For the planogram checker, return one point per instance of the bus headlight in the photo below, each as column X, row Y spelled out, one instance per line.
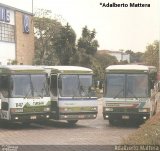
column 46, row 109
column 143, row 110
column 108, row 109
column 16, row 110
column 94, row 108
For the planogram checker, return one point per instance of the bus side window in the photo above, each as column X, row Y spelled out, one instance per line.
column 53, row 85
column 4, row 86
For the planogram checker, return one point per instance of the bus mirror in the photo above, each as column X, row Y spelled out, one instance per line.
column 152, row 84
column 100, row 85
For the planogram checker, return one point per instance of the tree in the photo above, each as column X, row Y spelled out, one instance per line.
column 86, row 48
column 135, row 57
column 46, row 29
column 64, row 44
column 88, row 42
column 151, row 55
column 101, row 62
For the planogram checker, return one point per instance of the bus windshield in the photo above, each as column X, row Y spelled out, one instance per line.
column 29, row 86
column 76, row 85
column 126, row 86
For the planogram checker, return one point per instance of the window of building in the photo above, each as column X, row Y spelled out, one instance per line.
column 7, row 32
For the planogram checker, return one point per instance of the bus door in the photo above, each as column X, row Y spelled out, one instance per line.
column 4, row 95
column 54, row 95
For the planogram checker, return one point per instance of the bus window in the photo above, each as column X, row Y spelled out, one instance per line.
column 53, row 85
column 137, row 85
column 40, row 86
column 4, row 86
column 115, row 86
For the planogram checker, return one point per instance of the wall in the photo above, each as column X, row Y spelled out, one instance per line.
column 7, row 49
column 24, row 41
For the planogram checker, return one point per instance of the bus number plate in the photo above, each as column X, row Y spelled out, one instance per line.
column 81, row 116
column 125, row 117
column 33, row 117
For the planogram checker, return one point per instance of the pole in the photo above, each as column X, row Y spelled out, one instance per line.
column 32, row 6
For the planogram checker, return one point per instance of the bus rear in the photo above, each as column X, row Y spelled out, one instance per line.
column 127, row 93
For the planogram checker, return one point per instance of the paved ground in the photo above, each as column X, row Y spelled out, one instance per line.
column 86, row 132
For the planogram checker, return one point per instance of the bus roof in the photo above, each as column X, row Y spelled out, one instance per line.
column 68, row 69
column 21, row 69
column 131, row 67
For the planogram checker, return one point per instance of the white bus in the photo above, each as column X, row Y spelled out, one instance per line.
column 129, row 93
column 24, row 94
column 72, row 93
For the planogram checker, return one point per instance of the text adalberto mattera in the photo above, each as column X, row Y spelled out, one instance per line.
column 124, row 5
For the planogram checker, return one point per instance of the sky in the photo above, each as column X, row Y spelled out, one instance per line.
column 117, row 28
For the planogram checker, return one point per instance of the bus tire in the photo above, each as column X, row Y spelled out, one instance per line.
column 26, row 123
column 111, row 122
column 72, row 122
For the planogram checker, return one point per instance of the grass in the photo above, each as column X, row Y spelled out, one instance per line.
column 147, row 134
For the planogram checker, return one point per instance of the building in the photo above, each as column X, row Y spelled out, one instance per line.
column 16, row 36
column 120, row 56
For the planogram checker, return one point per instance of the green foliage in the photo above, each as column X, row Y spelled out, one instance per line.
column 64, row 44
column 86, row 49
column 100, row 62
column 46, row 29
column 151, row 55
column 55, row 44
column 88, row 42
column 135, row 57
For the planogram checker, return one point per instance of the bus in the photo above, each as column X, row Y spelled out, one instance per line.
column 72, row 93
column 24, row 94
column 129, row 93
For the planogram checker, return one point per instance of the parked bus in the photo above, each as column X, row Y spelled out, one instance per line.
column 72, row 93
column 129, row 93
column 24, row 94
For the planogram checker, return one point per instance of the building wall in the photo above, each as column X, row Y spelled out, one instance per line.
column 7, row 52
column 24, row 41
column 120, row 56
column 7, row 48
column 16, row 44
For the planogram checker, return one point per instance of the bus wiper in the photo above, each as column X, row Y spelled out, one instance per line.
column 30, row 88
column 27, row 94
column 132, row 93
column 84, row 91
column 118, row 93
column 73, row 93
column 42, row 92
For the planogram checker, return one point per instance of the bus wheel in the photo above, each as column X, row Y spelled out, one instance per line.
column 26, row 123
column 111, row 122
column 72, row 122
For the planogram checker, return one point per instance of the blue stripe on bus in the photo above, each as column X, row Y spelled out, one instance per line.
column 77, row 99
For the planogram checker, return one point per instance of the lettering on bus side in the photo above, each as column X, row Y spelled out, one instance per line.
column 38, row 103
column 19, row 104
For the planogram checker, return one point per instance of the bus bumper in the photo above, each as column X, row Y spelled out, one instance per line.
column 30, row 117
column 126, row 116
column 77, row 116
